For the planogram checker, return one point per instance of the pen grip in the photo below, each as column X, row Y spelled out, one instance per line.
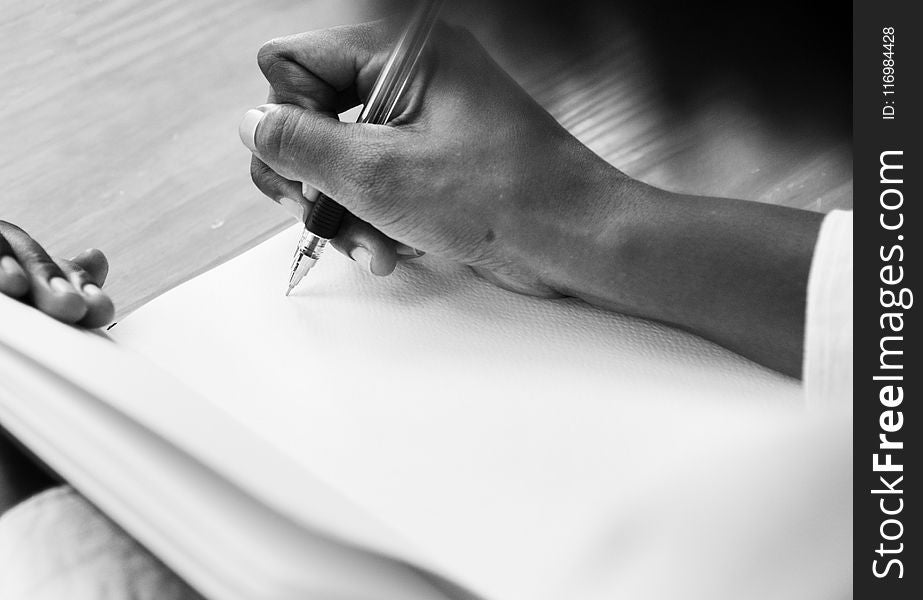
column 325, row 218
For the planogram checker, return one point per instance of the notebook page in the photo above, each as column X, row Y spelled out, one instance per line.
column 123, row 433
column 494, row 431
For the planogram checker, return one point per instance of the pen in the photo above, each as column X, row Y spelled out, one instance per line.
column 324, row 220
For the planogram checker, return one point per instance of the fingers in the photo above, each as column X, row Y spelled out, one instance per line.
column 66, row 290
column 371, row 249
column 51, row 292
column 99, row 308
column 291, row 83
column 13, row 280
column 95, row 263
column 285, row 192
column 304, row 145
column 297, row 137
column 339, row 65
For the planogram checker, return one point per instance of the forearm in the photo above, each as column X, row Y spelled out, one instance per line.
column 729, row 270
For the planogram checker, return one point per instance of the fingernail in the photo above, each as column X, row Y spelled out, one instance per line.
column 408, row 251
column 91, row 289
column 296, row 208
column 61, row 285
column 85, row 252
column 10, row 266
column 363, row 257
column 310, row 194
column 248, row 125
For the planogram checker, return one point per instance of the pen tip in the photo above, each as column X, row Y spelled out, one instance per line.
column 289, row 290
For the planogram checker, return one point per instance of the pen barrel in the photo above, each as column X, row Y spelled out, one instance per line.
column 395, row 76
column 324, row 221
column 325, row 218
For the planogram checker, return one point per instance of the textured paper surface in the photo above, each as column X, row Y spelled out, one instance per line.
column 496, row 432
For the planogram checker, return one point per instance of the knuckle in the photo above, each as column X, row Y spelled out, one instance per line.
column 291, row 128
column 269, row 54
column 285, row 137
column 271, row 132
column 70, row 267
column 73, row 271
column 41, row 267
column 288, row 138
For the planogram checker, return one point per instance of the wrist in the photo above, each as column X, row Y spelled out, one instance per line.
column 586, row 246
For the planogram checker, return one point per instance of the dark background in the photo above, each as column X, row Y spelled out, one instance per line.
column 786, row 57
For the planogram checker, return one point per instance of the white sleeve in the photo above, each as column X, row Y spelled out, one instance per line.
column 828, row 345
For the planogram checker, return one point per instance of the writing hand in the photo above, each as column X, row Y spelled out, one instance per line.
column 470, row 168
column 473, row 170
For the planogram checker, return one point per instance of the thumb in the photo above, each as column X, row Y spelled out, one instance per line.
column 308, row 146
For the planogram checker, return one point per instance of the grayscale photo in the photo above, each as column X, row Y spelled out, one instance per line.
column 429, row 300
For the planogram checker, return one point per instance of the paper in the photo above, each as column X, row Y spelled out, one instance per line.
column 188, row 481
column 495, row 432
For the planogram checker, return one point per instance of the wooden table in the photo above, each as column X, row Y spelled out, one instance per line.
column 119, row 128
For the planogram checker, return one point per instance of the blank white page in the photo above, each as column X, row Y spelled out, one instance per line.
column 124, row 432
column 495, row 432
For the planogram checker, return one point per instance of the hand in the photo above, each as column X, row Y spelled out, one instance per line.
column 68, row 290
column 470, row 168
column 473, row 170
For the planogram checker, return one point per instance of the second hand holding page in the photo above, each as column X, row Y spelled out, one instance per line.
column 494, row 431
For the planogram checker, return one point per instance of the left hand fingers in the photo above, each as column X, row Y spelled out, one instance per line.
column 87, row 272
column 50, row 291
column 68, row 290
column 95, row 263
column 13, row 279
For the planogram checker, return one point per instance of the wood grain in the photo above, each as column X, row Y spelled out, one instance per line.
column 119, row 126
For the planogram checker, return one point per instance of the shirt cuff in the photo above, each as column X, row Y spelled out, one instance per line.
column 828, row 347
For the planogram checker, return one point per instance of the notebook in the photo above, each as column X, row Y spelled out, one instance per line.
column 425, row 435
